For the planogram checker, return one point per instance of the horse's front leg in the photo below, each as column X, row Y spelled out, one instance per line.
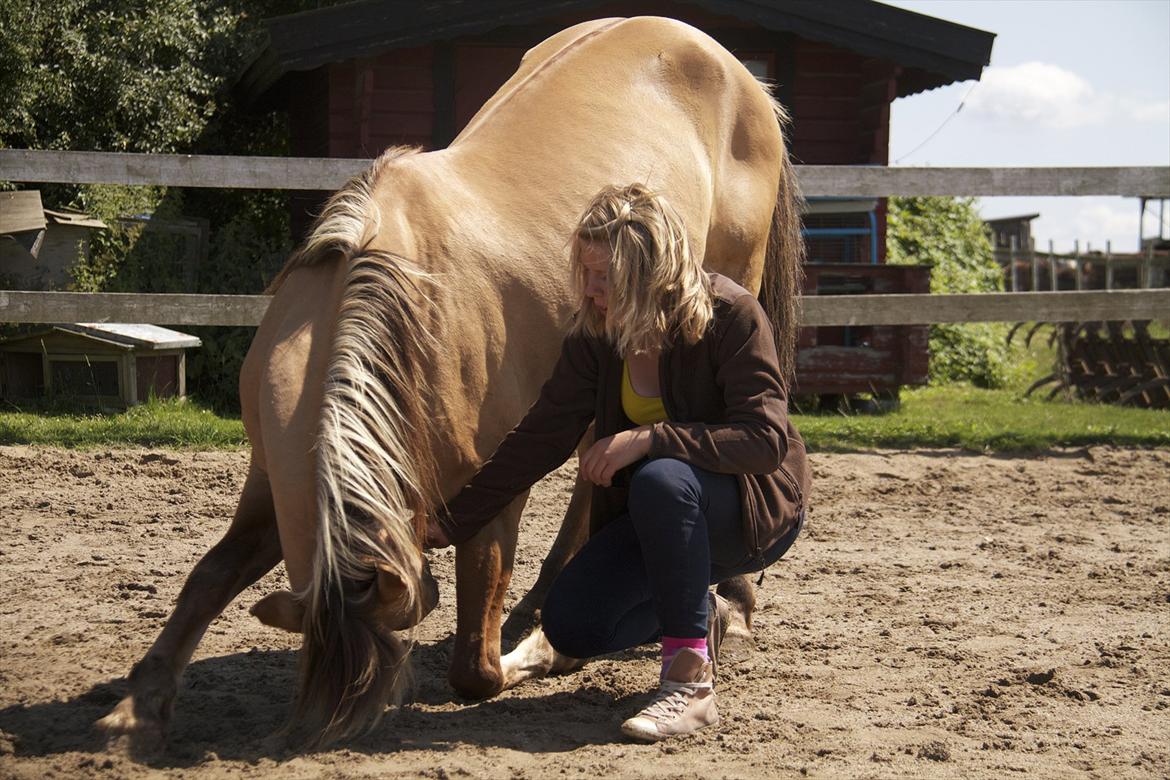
column 247, row 551
column 571, row 537
column 483, row 569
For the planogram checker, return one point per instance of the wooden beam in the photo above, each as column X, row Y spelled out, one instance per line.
column 312, row 173
column 828, row 310
column 178, row 170
column 443, row 75
column 881, row 181
column 152, row 308
column 898, row 309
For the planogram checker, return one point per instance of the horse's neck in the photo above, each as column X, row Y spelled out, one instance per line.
column 499, row 300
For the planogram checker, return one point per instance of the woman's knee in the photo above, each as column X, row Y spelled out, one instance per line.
column 568, row 627
column 662, row 483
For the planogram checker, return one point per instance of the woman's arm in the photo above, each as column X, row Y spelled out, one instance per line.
column 541, row 442
column 753, row 438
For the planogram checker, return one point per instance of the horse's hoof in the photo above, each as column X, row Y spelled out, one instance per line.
column 124, row 728
column 476, row 685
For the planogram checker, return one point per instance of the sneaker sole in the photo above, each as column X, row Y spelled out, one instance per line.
column 642, row 732
column 648, row 732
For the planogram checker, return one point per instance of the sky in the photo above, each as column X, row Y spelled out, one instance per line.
column 1071, row 83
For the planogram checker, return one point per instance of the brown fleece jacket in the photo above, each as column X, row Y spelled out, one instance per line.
column 727, row 410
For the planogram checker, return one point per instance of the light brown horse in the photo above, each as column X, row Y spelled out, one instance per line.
column 415, row 327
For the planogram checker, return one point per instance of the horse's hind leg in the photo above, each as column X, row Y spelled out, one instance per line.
column 249, row 549
column 741, row 595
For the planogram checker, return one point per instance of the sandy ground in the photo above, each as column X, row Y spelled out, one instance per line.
column 945, row 615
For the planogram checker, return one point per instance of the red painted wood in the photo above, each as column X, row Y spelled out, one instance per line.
column 862, row 359
column 399, row 86
column 479, row 72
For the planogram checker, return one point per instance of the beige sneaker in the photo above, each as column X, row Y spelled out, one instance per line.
column 685, row 701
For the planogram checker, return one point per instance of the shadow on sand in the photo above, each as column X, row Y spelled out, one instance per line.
column 233, row 707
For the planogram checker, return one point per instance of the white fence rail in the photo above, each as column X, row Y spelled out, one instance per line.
column 896, row 309
column 816, row 180
column 314, row 173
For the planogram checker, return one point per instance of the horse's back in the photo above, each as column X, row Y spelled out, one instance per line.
column 619, row 100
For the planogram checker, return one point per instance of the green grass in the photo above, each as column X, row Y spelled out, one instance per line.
column 947, row 416
column 1002, row 420
column 991, row 420
column 155, row 424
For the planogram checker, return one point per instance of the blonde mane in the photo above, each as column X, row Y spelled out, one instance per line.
column 348, row 221
column 375, row 470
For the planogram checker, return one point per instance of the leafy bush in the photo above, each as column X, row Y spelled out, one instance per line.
column 948, row 235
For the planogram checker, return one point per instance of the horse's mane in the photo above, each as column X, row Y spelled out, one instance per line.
column 375, row 469
column 348, row 222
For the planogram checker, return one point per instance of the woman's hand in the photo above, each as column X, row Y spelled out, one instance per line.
column 609, row 455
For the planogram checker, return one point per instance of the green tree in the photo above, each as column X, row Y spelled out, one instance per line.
column 111, row 76
column 154, row 77
column 948, row 235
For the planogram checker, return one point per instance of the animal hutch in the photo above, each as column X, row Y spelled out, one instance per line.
column 38, row 246
column 358, row 77
column 107, row 364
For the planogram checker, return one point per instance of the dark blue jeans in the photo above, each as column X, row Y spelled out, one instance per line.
column 646, row 574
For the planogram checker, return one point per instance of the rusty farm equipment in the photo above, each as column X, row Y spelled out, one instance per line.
column 1110, row 362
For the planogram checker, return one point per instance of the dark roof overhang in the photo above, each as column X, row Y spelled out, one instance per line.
column 932, row 52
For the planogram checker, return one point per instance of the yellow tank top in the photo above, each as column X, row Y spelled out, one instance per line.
column 642, row 410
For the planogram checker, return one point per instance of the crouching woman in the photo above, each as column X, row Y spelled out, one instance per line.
column 699, row 475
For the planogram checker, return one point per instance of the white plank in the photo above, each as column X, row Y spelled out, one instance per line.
column 306, row 173
column 178, row 170
column 152, row 308
column 907, row 309
column 876, row 181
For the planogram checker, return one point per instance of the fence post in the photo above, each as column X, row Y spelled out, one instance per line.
column 1052, row 264
column 1108, row 265
column 1147, row 266
column 1035, row 264
column 1015, row 276
column 1089, row 254
column 1078, row 263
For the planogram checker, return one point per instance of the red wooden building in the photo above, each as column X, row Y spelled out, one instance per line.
column 358, row 77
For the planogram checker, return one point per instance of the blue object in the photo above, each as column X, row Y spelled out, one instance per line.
column 825, row 205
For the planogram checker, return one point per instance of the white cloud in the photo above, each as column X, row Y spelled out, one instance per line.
column 1147, row 112
column 1109, row 220
column 1047, row 95
column 1091, row 222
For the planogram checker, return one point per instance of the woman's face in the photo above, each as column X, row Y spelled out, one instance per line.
column 595, row 259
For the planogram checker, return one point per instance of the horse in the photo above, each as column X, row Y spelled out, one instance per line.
column 415, row 325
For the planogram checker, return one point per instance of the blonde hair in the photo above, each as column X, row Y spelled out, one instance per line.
column 657, row 290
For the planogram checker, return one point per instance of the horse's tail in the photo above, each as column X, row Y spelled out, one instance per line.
column 375, row 477
column 784, row 259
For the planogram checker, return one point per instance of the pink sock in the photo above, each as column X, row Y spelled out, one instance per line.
column 672, row 644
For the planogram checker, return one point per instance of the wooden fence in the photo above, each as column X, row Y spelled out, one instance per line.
column 310, row 173
column 897, row 309
column 816, row 180
column 1028, row 269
